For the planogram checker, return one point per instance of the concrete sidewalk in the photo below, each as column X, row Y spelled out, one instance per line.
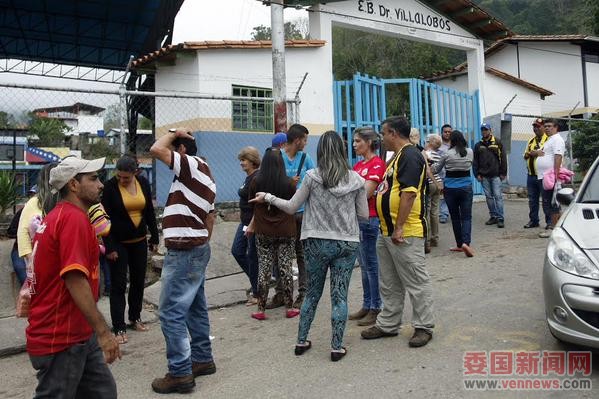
column 220, row 292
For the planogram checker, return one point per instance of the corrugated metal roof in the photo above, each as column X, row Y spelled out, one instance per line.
column 91, row 33
column 169, row 52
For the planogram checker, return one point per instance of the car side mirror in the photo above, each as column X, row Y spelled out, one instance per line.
column 565, row 196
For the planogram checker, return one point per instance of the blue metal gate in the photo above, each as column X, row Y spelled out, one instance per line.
column 362, row 101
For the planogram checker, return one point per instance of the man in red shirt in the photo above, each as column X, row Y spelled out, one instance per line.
column 68, row 341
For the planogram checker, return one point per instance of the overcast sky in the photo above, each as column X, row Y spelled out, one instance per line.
column 223, row 19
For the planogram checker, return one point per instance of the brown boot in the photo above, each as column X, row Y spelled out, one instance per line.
column 170, row 384
column 420, row 338
column 276, row 302
column 358, row 315
column 206, row 368
column 370, row 318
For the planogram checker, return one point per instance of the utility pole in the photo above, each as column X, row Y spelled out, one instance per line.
column 279, row 89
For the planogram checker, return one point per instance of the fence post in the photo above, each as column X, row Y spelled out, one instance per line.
column 123, row 119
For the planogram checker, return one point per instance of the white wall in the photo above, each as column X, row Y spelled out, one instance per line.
column 555, row 66
column 593, row 84
column 89, row 123
column 498, row 94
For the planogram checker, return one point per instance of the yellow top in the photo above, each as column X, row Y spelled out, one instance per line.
column 405, row 173
column 30, row 210
column 134, row 204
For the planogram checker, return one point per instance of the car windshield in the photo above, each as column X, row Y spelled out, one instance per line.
column 591, row 193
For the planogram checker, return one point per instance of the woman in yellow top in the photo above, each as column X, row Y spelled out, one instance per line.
column 36, row 208
column 127, row 199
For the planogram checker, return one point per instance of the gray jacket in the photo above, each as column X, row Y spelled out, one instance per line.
column 329, row 213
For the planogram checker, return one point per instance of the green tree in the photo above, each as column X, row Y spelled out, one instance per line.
column 585, row 143
column 8, row 191
column 144, row 123
column 6, row 120
column 100, row 149
column 112, row 118
column 47, row 132
column 294, row 30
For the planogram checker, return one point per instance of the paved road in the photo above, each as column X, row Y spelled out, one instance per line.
column 490, row 302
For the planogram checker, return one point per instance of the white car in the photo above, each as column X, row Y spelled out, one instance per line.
column 571, row 269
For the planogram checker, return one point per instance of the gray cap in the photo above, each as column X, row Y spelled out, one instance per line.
column 70, row 167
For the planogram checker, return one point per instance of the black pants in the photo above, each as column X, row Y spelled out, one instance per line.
column 135, row 257
column 77, row 372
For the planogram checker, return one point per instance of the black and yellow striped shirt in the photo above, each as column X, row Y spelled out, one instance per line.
column 534, row 144
column 406, row 172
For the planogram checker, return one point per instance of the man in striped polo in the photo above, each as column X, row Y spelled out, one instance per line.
column 187, row 224
column 400, row 247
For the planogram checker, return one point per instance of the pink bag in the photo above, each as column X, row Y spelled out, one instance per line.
column 565, row 176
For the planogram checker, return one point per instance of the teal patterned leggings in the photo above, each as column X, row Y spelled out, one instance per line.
column 321, row 255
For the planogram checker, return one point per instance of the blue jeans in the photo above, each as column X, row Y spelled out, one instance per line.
column 244, row 252
column 459, row 202
column 183, row 309
column 369, row 264
column 322, row 255
column 534, row 187
column 18, row 265
column 492, row 189
column 443, row 210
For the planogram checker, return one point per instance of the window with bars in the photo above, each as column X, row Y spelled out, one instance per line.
column 252, row 115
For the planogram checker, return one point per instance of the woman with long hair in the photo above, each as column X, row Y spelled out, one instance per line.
column 458, row 190
column 244, row 248
column 275, row 231
column 334, row 198
column 372, row 169
column 127, row 199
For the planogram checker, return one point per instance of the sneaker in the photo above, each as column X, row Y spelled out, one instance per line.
column 276, row 302
column 358, row 315
column 420, row 338
column 545, row 234
column 297, row 304
column 549, row 227
column 374, row 333
column 170, row 384
column 531, row 225
column 491, row 221
column 500, row 223
column 442, row 220
column 206, row 368
column 370, row 318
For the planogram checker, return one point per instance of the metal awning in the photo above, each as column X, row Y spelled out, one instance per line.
column 88, row 33
column 464, row 12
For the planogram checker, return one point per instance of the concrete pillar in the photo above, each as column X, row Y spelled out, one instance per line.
column 476, row 74
column 279, row 87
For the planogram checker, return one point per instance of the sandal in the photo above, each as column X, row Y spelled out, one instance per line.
column 251, row 301
column 121, row 337
column 138, row 325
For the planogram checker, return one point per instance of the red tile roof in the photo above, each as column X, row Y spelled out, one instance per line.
column 170, row 50
column 500, row 74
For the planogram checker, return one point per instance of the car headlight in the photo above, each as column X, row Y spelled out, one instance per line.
column 564, row 254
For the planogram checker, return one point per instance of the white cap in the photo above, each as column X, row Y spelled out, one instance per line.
column 70, row 167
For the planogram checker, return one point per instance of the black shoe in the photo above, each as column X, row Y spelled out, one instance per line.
column 336, row 356
column 500, row 223
column 301, row 349
column 491, row 221
column 531, row 225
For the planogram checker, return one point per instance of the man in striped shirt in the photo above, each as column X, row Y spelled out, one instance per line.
column 187, row 224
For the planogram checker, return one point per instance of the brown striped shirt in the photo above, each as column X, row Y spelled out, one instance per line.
column 190, row 199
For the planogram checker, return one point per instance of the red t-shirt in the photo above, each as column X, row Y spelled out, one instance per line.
column 65, row 241
column 371, row 170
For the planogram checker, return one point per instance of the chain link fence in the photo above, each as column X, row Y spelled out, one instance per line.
column 43, row 124
column 569, row 128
